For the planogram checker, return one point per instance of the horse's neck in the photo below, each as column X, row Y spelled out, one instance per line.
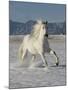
column 41, row 39
column 41, row 36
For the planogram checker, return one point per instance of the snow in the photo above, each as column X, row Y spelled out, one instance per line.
column 21, row 76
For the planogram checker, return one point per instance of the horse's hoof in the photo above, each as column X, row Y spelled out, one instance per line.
column 45, row 68
column 57, row 64
column 31, row 67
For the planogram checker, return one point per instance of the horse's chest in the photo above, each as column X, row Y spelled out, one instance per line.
column 32, row 49
column 38, row 46
column 35, row 47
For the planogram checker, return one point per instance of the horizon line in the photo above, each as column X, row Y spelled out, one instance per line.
column 35, row 20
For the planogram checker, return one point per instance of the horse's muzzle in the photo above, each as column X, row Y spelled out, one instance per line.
column 46, row 35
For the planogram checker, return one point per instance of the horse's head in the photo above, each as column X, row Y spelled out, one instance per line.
column 43, row 27
column 40, row 28
column 46, row 28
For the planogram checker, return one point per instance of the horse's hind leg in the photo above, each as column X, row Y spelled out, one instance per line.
column 54, row 53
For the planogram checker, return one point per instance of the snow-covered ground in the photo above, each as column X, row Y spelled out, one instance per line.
column 21, row 76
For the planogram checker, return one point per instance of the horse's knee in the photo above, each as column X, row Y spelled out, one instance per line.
column 52, row 52
column 57, row 59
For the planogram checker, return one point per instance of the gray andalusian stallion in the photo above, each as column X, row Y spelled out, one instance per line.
column 37, row 43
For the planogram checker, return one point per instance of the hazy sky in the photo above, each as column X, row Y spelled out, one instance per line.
column 24, row 11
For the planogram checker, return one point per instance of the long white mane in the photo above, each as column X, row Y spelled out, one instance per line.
column 36, row 29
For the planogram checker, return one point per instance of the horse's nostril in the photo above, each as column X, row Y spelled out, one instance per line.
column 46, row 35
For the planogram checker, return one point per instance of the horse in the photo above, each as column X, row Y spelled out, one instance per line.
column 37, row 43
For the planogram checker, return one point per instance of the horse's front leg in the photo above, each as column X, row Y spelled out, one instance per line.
column 23, row 56
column 44, row 60
column 54, row 53
column 31, row 62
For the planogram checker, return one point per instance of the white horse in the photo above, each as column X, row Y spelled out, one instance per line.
column 36, row 43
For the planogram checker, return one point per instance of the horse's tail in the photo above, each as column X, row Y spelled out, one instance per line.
column 20, row 52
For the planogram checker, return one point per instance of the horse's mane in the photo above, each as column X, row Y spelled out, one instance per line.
column 36, row 30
